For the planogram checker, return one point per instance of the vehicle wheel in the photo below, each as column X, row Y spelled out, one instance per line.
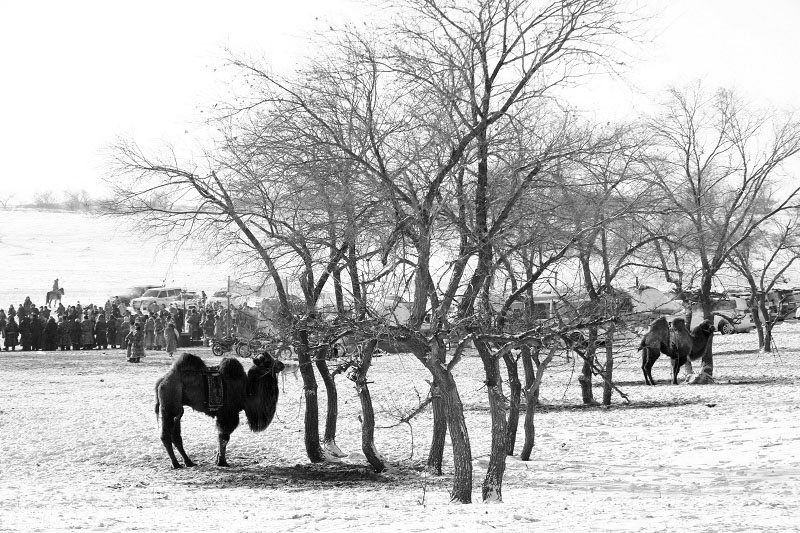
column 243, row 349
column 726, row 328
column 216, row 349
column 283, row 352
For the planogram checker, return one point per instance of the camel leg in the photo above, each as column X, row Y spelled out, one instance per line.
column 647, row 366
column 224, row 438
column 676, row 366
column 178, row 440
column 167, row 424
column 226, row 424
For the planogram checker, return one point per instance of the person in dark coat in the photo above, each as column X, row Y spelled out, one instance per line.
column 12, row 332
column 25, row 332
column 64, row 339
column 87, row 333
column 11, row 311
column 51, row 335
column 111, row 332
column 75, row 333
column 21, row 312
column 100, row 329
column 37, row 329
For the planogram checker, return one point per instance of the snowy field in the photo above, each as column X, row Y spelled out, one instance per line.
column 80, row 449
column 93, row 257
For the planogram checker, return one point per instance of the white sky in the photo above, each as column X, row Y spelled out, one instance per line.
column 76, row 75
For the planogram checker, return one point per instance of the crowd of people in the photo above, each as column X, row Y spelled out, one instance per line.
column 112, row 326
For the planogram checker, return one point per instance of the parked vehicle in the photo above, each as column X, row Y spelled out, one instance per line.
column 731, row 315
column 161, row 295
column 133, row 292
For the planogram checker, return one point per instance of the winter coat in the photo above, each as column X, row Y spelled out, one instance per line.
column 111, row 331
column 36, row 332
column 25, row 332
column 51, row 335
column 208, row 327
column 172, row 338
column 12, row 332
column 75, row 332
column 136, row 340
column 87, row 332
column 64, row 338
column 100, row 332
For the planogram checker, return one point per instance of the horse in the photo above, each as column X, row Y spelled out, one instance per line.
column 186, row 383
column 54, row 295
column 675, row 341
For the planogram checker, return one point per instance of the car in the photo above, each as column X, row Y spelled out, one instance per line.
column 135, row 291
column 221, row 297
column 731, row 315
column 158, row 296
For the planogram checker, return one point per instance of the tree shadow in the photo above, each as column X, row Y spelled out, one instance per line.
column 307, row 476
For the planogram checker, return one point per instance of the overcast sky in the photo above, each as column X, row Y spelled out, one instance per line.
column 76, row 74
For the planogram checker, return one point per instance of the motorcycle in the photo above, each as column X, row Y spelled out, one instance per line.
column 221, row 346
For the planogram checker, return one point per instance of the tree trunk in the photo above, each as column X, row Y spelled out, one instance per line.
column 311, row 421
column 515, row 392
column 367, row 412
column 432, row 355
column 530, row 403
column 333, row 403
column 609, row 368
column 707, row 361
column 766, row 341
column 436, row 453
column 533, row 382
column 492, row 489
column 585, row 378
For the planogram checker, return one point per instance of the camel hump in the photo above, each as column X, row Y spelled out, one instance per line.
column 189, row 361
column 232, row 369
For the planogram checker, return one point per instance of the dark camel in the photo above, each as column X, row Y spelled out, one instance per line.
column 184, row 384
column 675, row 341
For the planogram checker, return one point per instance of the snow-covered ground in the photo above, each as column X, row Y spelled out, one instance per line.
column 80, row 449
column 93, row 257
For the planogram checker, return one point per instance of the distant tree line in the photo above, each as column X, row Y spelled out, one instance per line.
column 68, row 201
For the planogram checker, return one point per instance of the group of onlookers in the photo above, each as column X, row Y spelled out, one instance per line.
column 113, row 325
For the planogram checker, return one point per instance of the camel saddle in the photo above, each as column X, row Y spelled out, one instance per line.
column 215, row 388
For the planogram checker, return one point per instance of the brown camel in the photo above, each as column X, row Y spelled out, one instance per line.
column 674, row 340
column 223, row 397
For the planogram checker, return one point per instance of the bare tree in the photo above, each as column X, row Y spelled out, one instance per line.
column 763, row 260
column 719, row 166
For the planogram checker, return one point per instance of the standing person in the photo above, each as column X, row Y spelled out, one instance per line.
column 28, row 305
column 75, row 333
column 135, row 340
column 3, row 322
column 11, row 311
column 123, row 327
column 208, row 327
column 25, row 332
column 87, row 332
column 36, row 331
column 51, row 335
column 193, row 323
column 159, row 331
column 12, row 331
column 61, row 309
column 111, row 332
column 171, row 335
column 149, row 332
column 64, row 339
column 100, row 329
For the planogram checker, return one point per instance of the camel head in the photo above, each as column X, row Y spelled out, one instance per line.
column 267, row 364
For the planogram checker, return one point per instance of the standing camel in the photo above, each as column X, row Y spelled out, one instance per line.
column 187, row 382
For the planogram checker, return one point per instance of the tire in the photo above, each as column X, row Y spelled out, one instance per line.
column 217, row 350
column 243, row 349
column 284, row 352
column 726, row 328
